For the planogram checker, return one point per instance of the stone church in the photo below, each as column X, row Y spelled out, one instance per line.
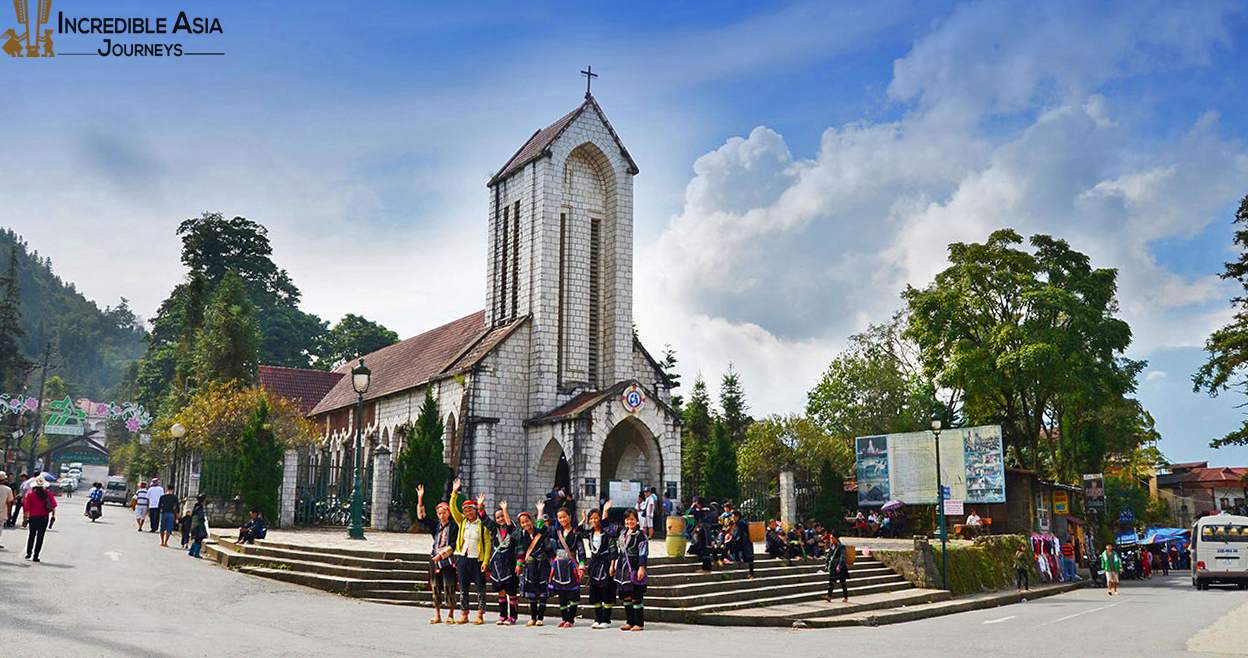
column 548, row 385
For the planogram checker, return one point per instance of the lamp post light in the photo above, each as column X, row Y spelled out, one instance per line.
column 940, row 502
column 360, row 376
column 177, row 432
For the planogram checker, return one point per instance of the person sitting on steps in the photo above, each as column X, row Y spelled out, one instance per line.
column 254, row 529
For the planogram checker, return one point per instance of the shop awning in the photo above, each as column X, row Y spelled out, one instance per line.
column 1074, row 519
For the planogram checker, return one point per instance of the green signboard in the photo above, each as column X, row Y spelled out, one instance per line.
column 80, row 454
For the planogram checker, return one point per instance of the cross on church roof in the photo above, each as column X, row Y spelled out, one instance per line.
column 589, row 78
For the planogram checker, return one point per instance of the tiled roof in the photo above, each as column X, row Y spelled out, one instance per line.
column 1204, row 477
column 302, row 387
column 447, row 349
column 540, row 142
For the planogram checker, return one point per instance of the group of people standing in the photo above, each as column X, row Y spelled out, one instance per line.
column 36, row 506
column 534, row 558
column 159, row 505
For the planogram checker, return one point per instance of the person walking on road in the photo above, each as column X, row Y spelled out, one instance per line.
column 1022, row 568
column 6, row 501
column 1111, row 564
column 140, row 504
column 168, row 510
column 154, row 493
column 39, row 509
column 199, row 526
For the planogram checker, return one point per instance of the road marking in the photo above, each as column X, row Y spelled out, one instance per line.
column 998, row 621
column 113, row 555
column 1077, row 614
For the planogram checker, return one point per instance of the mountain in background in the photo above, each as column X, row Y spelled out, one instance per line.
column 91, row 348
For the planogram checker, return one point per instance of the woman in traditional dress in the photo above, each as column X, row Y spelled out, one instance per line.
column 441, row 566
column 533, row 566
column 503, row 536
column 567, row 568
column 629, row 571
column 600, row 540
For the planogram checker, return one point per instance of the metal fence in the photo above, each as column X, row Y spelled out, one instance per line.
column 323, row 494
column 218, row 477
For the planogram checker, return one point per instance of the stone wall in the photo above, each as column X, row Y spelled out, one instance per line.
column 985, row 566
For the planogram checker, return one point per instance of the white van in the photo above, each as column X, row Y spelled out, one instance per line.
column 1220, row 551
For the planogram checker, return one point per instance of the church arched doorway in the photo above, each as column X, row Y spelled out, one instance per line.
column 553, row 469
column 631, row 453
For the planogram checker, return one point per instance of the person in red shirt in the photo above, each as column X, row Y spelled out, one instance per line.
column 39, row 514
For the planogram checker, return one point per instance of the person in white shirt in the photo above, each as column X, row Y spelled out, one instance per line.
column 649, row 505
column 6, row 500
column 973, row 519
column 141, row 502
column 154, row 493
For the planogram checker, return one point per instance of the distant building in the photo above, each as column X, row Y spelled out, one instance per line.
column 1194, row 489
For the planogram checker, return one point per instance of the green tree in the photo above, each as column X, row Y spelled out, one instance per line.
column 1014, row 332
column 830, row 500
column 719, row 472
column 790, row 441
column 732, row 404
column 696, row 436
column 421, row 460
column 226, row 347
column 669, row 370
column 259, row 466
column 12, row 364
column 1228, row 347
column 874, row 388
column 354, row 336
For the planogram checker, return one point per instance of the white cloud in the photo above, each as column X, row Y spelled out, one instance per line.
column 775, row 259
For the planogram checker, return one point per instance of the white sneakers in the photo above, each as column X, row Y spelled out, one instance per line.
column 599, row 625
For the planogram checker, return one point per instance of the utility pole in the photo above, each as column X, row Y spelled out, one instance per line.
column 34, row 430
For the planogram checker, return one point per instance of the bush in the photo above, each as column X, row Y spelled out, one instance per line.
column 259, row 475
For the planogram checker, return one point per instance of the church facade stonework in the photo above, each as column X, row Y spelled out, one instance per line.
column 549, row 384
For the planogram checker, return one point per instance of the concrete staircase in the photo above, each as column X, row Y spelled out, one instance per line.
column 777, row 595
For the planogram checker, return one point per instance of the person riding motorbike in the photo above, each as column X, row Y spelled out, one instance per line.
column 95, row 500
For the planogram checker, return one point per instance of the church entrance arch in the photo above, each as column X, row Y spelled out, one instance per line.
column 552, row 468
column 631, row 453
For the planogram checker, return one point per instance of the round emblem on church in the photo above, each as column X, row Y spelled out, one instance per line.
column 633, row 398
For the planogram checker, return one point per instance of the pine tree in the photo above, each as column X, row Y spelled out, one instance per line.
column 719, row 473
column 259, row 469
column 697, row 432
column 669, row 370
column 732, row 402
column 421, row 459
column 11, row 333
column 227, row 345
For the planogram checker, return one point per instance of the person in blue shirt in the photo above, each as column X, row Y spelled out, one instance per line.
column 254, row 529
column 97, row 496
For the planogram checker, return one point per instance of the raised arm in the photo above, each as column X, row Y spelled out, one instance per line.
column 420, row 501
column 457, row 511
column 506, row 517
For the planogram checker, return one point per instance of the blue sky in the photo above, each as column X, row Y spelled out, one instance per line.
column 801, row 162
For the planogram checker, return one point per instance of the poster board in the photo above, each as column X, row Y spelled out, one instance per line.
column 623, row 493
column 903, row 466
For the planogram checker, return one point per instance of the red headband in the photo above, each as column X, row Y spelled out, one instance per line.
column 441, row 505
column 470, row 503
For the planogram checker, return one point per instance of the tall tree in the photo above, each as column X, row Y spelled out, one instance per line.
column 699, row 419
column 12, row 364
column 1015, row 332
column 354, row 336
column 719, row 472
column 1228, row 347
column 732, row 404
column 227, row 344
column 421, row 461
column 669, row 369
column 873, row 387
column 783, row 441
column 212, row 246
column 259, row 464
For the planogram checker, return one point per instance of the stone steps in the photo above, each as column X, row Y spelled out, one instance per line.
column 779, row 594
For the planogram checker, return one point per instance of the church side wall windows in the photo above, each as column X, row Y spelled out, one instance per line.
column 595, row 296
column 502, row 288
column 563, row 264
column 515, row 261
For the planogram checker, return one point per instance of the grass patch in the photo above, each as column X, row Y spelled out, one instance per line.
column 986, row 566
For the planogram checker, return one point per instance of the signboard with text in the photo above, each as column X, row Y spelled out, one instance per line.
column 903, row 466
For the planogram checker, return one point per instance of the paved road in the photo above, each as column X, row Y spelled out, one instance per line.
column 106, row 590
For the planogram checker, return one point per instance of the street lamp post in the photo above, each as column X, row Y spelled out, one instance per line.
column 940, row 502
column 177, row 432
column 360, row 376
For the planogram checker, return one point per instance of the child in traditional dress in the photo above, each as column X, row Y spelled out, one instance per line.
column 441, row 568
column 629, row 571
column 601, row 553
column 533, row 566
column 503, row 539
column 567, row 567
